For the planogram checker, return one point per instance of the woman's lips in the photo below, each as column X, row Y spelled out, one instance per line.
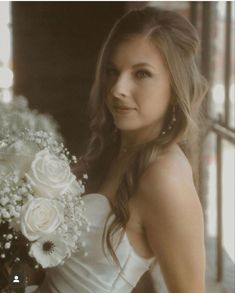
column 123, row 110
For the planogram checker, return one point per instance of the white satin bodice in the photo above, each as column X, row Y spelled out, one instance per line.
column 94, row 272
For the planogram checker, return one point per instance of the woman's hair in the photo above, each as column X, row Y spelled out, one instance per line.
column 177, row 41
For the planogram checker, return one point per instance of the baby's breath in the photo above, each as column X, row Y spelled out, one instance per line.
column 17, row 190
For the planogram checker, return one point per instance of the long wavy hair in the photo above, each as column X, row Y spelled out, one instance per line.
column 177, row 41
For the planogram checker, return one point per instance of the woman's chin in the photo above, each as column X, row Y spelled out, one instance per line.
column 125, row 127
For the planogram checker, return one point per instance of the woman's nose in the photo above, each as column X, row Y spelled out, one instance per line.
column 120, row 87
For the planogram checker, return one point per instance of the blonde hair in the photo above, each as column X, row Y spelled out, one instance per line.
column 178, row 43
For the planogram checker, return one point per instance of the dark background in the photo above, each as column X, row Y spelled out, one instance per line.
column 55, row 48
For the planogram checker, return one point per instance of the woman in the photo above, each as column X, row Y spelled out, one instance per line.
column 141, row 201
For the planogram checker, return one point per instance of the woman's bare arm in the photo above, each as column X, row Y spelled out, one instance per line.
column 173, row 221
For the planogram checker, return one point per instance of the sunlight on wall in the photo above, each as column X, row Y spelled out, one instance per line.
column 6, row 72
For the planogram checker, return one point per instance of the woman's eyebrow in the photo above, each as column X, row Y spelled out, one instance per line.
column 142, row 64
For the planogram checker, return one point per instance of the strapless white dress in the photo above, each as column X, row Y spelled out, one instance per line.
column 94, row 272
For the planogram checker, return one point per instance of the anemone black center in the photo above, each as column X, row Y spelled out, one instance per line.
column 48, row 246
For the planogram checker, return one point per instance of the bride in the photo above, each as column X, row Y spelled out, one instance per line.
column 141, row 200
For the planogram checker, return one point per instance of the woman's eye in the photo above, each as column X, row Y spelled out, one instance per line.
column 143, row 74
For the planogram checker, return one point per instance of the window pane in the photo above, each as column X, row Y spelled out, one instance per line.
column 232, row 80
column 228, row 226
column 217, row 90
column 6, row 73
column 211, row 198
column 228, row 193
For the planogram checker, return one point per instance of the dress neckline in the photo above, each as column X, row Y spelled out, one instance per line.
column 105, row 198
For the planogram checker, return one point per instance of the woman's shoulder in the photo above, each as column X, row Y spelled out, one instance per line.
column 168, row 163
column 169, row 171
column 166, row 188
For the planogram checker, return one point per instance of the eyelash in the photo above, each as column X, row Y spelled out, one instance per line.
column 140, row 74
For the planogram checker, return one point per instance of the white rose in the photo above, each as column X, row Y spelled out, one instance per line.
column 40, row 216
column 49, row 175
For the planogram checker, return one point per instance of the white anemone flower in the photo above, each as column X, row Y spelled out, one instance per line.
column 49, row 251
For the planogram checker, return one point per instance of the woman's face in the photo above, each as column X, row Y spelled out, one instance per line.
column 138, row 86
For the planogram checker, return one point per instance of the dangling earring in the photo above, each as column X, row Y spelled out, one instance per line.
column 173, row 120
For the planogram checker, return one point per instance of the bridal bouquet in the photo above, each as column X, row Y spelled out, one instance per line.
column 16, row 115
column 41, row 208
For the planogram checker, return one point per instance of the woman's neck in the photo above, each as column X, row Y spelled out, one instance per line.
column 132, row 141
